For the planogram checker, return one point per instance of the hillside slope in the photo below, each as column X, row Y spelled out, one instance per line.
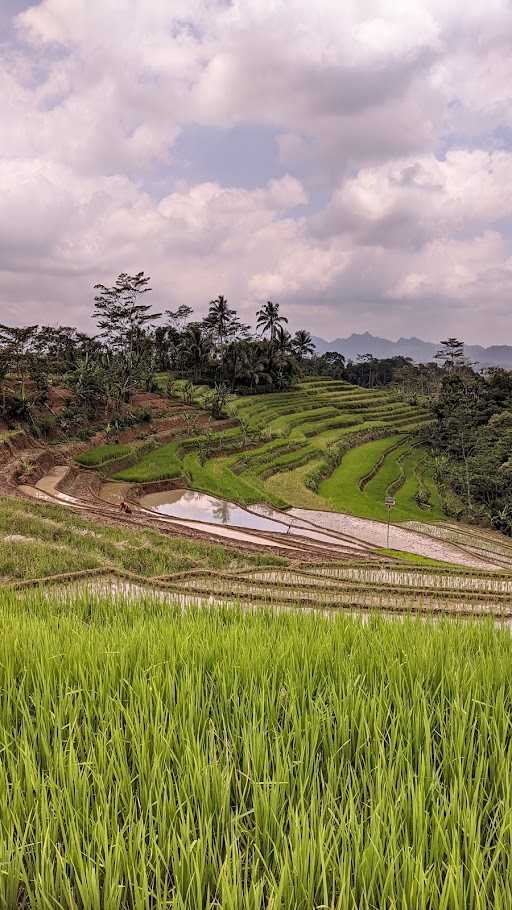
column 283, row 442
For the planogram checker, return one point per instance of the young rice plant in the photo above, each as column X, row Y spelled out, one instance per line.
column 154, row 758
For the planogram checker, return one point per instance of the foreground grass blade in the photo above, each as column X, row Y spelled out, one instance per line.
column 154, row 758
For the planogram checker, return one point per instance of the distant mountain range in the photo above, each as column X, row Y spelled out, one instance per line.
column 420, row 351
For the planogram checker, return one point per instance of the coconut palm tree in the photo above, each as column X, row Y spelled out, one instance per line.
column 268, row 319
column 302, row 344
column 234, row 359
column 255, row 367
column 283, row 340
column 196, row 346
column 220, row 318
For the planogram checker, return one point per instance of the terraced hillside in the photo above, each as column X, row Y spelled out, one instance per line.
column 392, row 466
column 60, row 548
column 336, row 449
column 295, row 484
column 324, row 444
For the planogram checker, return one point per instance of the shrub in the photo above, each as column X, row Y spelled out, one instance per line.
column 217, row 400
column 45, row 424
column 187, row 392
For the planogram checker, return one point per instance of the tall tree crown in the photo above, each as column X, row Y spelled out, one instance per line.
column 268, row 319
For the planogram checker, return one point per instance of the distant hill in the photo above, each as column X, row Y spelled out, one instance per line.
column 420, row 351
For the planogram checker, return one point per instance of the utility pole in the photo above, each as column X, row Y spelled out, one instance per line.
column 389, row 502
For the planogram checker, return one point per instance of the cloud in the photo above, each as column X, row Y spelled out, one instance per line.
column 61, row 225
column 408, row 201
column 390, row 205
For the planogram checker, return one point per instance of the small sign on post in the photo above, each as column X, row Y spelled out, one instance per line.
column 389, row 502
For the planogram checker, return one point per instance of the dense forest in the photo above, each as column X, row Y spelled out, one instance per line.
column 470, row 437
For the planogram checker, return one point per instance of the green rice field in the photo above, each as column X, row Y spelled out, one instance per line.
column 158, row 758
column 99, row 455
column 284, row 437
column 368, row 472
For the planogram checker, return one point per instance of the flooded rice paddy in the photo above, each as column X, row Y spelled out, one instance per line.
column 361, row 606
column 400, row 538
column 294, row 530
column 194, row 506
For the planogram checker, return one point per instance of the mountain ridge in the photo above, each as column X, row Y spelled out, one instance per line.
column 419, row 350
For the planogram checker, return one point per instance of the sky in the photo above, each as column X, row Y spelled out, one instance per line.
column 350, row 160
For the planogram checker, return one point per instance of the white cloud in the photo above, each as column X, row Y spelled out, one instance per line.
column 407, row 201
column 89, row 229
column 362, row 97
column 461, row 270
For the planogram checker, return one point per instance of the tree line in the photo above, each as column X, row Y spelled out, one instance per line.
column 471, row 438
column 134, row 343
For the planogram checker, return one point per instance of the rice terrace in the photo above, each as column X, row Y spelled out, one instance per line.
column 255, row 641
column 255, row 455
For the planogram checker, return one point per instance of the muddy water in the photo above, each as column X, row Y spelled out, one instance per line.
column 33, row 492
column 199, row 511
column 201, row 507
column 307, row 528
column 47, row 489
column 229, row 532
column 115, row 491
column 50, row 483
column 375, row 532
column 194, row 506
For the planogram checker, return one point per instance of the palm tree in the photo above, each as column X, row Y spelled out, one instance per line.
column 220, row 318
column 302, row 344
column 197, row 348
column 268, row 319
column 283, row 340
column 234, row 359
column 255, row 368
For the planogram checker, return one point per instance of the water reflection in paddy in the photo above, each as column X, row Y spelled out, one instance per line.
column 196, row 506
column 190, row 505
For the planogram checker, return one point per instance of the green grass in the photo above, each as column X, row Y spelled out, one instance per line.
column 419, row 474
column 98, row 455
column 417, row 560
column 217, row 477
column 391, row 470
column 167, row 461
column 329, row 437
column 221, row 477
column 284, row 425
column 290, row 486
column 306, row 415
column 219, row 759
column 199, row 395
column 162, row 463
column 341, row 490
column 46, row 540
